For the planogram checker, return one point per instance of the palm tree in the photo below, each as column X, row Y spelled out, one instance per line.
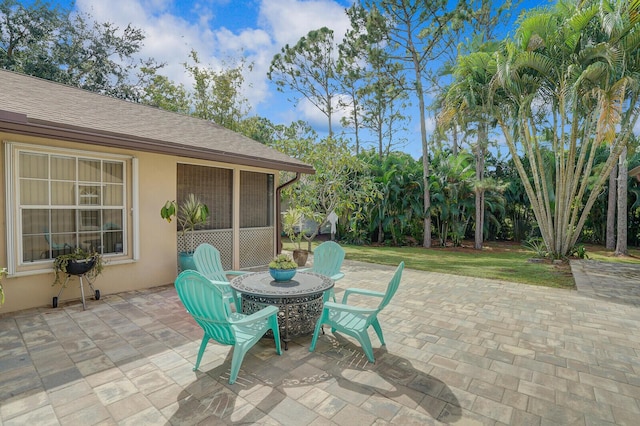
column 467, row 101
column 568, row 83
column 452, row 194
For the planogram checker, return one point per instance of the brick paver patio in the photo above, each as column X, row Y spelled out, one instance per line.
column 459, row 350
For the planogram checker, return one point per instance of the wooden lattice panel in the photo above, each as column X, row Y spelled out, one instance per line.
column 256, row 246
column 222, row 239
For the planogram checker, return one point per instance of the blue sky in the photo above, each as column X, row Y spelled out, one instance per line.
column 220, row 30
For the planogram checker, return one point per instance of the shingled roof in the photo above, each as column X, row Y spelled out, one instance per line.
column 38, row 107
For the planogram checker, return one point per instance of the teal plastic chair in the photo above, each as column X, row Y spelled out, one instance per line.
column 204, row 300
column 355, row 321
column 327, row 261
column 55, row 246
column 208, row 263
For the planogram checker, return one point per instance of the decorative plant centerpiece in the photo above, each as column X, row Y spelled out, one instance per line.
column 78, row 262
column 3, row 273
column 282, row 268
column 191, row 214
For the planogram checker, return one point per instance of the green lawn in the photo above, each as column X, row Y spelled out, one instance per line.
column 502, row 261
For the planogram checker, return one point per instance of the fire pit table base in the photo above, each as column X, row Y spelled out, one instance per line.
column 299, row 300
column 297, row 316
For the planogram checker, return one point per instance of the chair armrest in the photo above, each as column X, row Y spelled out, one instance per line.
column 360, row 291
column 334, row 277
column 262, row 314
column 235, row 272
column 348, row 308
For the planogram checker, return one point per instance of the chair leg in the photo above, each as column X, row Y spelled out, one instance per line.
column 328, row 295
column 315, row 333
column 237, row 300
column 236, row 361
column 365, row 342
column 276, row 333
column 378, row 329
column 203, row 345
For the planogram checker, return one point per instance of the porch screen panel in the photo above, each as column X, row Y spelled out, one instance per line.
column 256, row 200
column 213, row 186
column 62, row 205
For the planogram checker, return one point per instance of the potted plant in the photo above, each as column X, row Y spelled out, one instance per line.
column 282, row 267
column 191, row 214
column 78, row 262
column 3, row 273
column 291, row 225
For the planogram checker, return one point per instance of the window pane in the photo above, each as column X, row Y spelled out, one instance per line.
column 89, row 220
column 113, row 195
column 61, row 243
column 112, row 242
column 63, row 193
column 35, row 222
column 113, row 172
column 34, row 192
column 88, row 170
column 91, row 242
column 34, row 165
column 63, row 221
column 34, row 248
column 63, row 168
column 112, row 220
column 90, row 195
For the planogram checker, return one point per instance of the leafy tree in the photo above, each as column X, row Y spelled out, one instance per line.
column 27, row 34
column 47, row 42
column 258, row 128
column 453, row 194
column 573, row 70
column 308, row 68
column 373, row 83
column 350, row 69
column 163, row 93
column 340, row 183
column 398, row 178
column 419, row 34
column 217, row 95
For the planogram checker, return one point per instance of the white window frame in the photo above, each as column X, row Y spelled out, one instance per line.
column 15, row 266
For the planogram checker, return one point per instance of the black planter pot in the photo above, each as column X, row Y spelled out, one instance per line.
column 80, row 267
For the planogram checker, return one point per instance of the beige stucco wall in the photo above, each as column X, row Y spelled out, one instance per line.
column 157, row 263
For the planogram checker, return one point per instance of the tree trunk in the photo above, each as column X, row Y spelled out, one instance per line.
column 425, row 169
column 454, row 141
column 611, row 211
column 380, row 230
column 621, row 244
column 426, row 241
column 482, row 137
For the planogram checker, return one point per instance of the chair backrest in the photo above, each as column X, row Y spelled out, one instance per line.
column 208, row 262
column 204, row 301
column 392, row 287
column 53, row 245
column 327, row 258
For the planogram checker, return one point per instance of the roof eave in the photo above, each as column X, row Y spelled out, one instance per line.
column 21, row 124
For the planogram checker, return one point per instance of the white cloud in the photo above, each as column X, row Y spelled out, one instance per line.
column 288, row 20
column 170, row 38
